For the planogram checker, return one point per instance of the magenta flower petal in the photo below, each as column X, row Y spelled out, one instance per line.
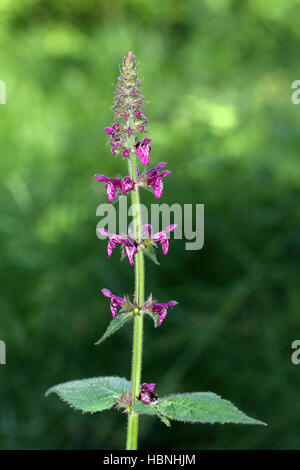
column 155, row 171
column 130, row 250
column 143, row 149
column 151, row 387
column 109, row 130
column 162, row 316
column 115, row 301
column 111, row 184
column 100, row 178
column 171, row 227
column 103, row 231
column 164, row 246
column 111, row 191
column 127, row 185
column 110, row 247
column 158, row 187
column 161, row 310
column 146, row 229
column 154, row 179
column 147, row 394
column 106, row 292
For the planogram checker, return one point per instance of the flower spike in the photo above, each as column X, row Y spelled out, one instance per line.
column 129, row 113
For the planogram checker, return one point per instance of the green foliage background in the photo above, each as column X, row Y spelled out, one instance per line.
column 218, row 76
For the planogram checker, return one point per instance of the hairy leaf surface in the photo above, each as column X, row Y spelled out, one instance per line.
column 91, row 395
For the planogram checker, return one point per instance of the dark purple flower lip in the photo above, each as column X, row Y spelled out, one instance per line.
column 147, row 394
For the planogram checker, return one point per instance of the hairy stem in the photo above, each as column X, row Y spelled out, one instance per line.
column 133, row 418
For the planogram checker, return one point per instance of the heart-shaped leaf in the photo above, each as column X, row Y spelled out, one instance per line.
column 91, row 395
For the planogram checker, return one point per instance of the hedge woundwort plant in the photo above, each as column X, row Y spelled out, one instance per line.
column 102, row 393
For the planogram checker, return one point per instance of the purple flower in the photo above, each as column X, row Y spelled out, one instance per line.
column 162, row 309
column 127, row 184
column 143, row 149
column 115, row 145
column 147, row 394
column 111, row 184
column 130, row 246
column 115, row 301
column 130, row 249
column 155, row 179
column 161, row 237
column 109, row 131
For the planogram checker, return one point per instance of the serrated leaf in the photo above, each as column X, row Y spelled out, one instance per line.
column 91, row 395
column 144, row 408
column 115, row 325
column 150, row 409
column 202, row 408
column 165, row 420
column 150, row 253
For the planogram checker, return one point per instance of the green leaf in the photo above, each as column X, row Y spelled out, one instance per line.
column 91, row 395
column 115, row 325
column 150, row 409
column 145, row 408
column 165, row 420
column 202, row 408
column 150, row 253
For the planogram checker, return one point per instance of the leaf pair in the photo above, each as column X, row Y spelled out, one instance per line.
column 101, row 393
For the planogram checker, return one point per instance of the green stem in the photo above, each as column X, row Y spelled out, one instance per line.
column 133, row 417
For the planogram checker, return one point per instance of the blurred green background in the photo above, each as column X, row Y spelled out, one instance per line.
column 217, row 74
